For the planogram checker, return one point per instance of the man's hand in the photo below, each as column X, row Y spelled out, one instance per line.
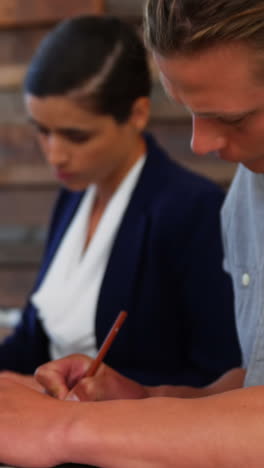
column 66, row 379
column 32, row 426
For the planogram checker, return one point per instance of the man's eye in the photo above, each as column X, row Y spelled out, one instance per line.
column 76, row 136
column 234, row 121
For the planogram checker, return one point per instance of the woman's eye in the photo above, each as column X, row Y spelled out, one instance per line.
column 42, row 130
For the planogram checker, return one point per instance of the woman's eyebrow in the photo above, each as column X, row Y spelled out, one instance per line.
column 37, row 124
column 60, row 130
column 33, row 121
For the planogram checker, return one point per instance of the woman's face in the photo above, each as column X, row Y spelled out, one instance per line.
column 83, row 147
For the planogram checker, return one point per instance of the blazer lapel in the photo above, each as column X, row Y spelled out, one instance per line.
column 67, row 205
column 119, row 280
column 122, row 273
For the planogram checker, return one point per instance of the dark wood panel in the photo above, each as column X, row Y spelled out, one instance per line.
column 15, row 285
column 12, row 76
column 26, row 176
column 11, row 106
column 130, row 9
column 17, row 46
column 27, row 12
column 18, row 145
column 26, row 207
column 23, row 255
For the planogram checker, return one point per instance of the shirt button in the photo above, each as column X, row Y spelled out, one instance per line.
column 245, row 279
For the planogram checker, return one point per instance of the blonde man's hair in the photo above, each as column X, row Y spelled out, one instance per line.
column 189, row 26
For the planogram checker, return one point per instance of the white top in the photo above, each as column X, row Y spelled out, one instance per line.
column 67, row 297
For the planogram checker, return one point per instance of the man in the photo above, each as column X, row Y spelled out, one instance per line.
column 210, row 55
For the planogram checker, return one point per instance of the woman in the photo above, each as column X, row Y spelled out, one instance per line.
column 131, row 229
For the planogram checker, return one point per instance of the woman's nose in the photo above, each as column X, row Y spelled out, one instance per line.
column 206, row 136
column 55, row 149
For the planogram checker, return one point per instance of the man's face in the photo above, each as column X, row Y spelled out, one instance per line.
column 219, row 88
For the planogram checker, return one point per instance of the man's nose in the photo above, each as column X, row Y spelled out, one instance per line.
column 56, row 150
column 206, row 136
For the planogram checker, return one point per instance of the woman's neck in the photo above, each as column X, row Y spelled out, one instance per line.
column 107, row 188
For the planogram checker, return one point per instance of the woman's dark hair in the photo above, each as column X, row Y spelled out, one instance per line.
column 99, row 61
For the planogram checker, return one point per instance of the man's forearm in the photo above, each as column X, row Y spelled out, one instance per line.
column 220, row 431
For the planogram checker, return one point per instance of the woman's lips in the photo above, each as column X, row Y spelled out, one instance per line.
column 63, row 175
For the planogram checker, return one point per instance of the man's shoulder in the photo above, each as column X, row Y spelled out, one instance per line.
column 245, row 193
column 241, row 216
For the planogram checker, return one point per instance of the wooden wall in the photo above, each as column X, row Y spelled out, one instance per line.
column 27, row 189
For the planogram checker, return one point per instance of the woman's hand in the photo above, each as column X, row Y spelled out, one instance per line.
column 66, row 379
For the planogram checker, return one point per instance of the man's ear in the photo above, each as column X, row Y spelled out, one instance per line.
column 140, row 113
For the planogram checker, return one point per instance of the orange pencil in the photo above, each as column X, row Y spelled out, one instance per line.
column 107, row 343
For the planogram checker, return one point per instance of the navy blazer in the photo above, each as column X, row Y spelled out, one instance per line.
column 165, row 269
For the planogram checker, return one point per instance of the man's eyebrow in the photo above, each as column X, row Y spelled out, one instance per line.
column 225, row 115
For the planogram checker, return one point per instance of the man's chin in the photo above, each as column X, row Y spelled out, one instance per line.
column 256, row 166
column 225, row 157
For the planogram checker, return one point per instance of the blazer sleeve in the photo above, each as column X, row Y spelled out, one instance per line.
column 27, row 347
column 208, row 293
